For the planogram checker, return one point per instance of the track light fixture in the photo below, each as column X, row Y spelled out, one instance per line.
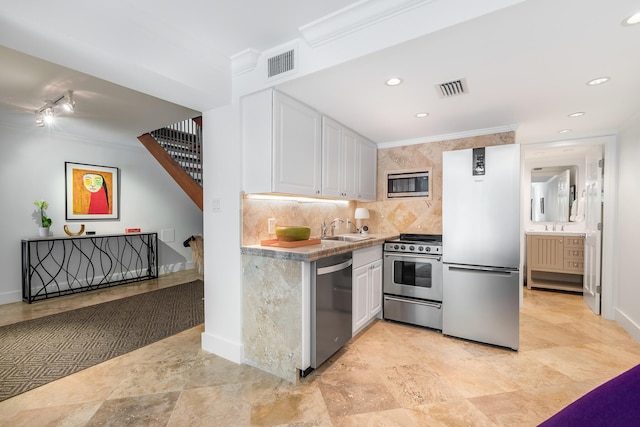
column 47, row 112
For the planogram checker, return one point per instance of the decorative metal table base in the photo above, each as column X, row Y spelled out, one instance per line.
column 53, row 267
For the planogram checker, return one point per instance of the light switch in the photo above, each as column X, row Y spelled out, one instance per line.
column 216, row 205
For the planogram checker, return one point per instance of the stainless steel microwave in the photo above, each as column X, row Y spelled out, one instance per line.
column 408, row 184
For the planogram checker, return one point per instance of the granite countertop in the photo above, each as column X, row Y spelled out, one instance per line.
column 314, row 252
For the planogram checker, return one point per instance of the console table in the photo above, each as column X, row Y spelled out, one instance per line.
column 56, row 266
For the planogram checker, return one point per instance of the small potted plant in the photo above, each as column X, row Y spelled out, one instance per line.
column 45, row 221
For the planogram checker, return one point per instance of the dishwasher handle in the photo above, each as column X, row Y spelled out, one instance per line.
column 333, row 268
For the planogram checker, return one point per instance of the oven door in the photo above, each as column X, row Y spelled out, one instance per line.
column 414, row 276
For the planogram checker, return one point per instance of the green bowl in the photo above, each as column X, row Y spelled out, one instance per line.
column 292, row 233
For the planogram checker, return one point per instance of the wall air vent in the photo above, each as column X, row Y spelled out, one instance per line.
column 282, row 64
column 453, row 88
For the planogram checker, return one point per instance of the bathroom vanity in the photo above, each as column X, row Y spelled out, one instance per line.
column 555, row 261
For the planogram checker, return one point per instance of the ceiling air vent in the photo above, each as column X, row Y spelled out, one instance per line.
column 281, row 64
column 454, row 88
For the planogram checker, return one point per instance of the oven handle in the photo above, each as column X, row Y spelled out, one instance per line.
column 400, row 254
column 412, row 301
column 478, row 269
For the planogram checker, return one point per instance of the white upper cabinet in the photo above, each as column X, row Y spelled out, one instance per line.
column 288, row 147
column 281, row 144
column 368, row 166
column 339, row 160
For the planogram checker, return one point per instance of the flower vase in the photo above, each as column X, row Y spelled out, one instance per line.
column 43, row 231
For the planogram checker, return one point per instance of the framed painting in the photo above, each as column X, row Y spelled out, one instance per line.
column 92, row 192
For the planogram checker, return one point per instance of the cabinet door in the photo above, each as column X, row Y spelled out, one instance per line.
column 360, row 297
column 350, row 166
column 547, row 253
column 375, row 289
column 367, row 158
column 296, row 147
column 340, row 168
column 332, row 162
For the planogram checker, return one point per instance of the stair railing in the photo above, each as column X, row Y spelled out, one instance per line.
column 183, row 142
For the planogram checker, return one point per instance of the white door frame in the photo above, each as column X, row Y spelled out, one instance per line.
column 609, row 144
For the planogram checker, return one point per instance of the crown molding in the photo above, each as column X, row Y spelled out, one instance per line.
column 355, row 17
column 244, row 62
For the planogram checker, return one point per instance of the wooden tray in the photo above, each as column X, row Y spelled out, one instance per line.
column 282, row 244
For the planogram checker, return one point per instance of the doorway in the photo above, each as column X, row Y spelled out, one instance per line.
column 595, row 177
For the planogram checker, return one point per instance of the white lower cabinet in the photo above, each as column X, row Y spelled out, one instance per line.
column 367, row 286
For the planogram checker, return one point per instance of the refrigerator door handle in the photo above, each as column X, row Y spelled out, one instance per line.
column 484, row 270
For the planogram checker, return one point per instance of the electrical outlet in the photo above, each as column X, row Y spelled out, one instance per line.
column 271, row 225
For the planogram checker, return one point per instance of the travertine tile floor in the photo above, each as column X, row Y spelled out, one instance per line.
column 389, row 375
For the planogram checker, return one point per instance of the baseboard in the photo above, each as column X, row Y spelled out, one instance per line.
column 173, row 268
column 16, row 296
column 630, row 327
column 10, row 297
column 223, row 347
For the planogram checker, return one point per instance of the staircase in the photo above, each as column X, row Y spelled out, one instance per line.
column 178, row 149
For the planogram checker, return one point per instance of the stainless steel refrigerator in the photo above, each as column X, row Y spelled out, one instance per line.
column 481, row 244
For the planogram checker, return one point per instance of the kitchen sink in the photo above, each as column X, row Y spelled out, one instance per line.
column 347, row 238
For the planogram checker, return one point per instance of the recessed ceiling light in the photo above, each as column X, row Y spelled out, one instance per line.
column 393, row 81
column 564, row 131
column 632, row 20
column 422, row 115
column 577, row 114
column 598, row 81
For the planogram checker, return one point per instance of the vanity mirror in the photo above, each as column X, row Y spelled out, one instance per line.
column 553, row 194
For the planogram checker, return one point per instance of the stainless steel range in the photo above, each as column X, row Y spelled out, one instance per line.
column 412, row 282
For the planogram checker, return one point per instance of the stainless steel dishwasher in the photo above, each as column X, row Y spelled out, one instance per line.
column 331, row 296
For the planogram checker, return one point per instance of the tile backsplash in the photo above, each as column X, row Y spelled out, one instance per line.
column 256, row 213
column 419, row 215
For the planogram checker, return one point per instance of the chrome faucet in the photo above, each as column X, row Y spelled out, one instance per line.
column 333, row 225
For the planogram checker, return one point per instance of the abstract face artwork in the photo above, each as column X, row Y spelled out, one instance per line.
column 91, row 191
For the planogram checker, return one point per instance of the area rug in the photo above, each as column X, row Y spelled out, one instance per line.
column 38, row 351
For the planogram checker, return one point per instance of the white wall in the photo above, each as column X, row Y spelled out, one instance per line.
column 32, row 168
column 628, row 232
column 223, row 228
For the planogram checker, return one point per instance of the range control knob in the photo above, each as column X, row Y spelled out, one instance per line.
column 428, row 249
column 411, row 248
column 396, row 247
column 420, row 248
column 402, row 247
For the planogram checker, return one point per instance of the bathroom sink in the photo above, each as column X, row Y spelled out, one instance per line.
column 347, row 238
